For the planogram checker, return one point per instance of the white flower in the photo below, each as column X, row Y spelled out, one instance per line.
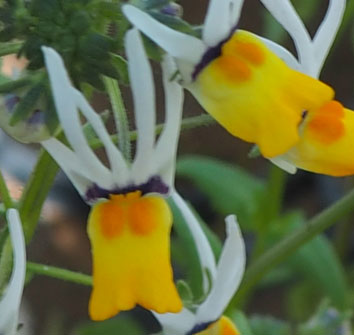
column 154, row 163
column 225, row 277
column 10, row 301
column 312, row 52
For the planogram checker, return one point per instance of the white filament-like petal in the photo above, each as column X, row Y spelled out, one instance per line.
column 285, row 13
column 11, row 300
column 327, row 31
column 206, row 255
column 176, row 323
column 72, row 167
column 230, row 271
column 221, row 16
column 165, row 152
column 281, row 52
column 68, row 114
column 284, row 165
column 118, row 165
column 177, row 44
column 143, row 89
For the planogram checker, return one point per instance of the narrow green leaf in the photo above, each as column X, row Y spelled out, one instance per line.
column 231, row 190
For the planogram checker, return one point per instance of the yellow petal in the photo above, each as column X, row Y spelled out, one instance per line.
column 131, row 256
column 255, row 95
column 327, row 141
column 224, row 326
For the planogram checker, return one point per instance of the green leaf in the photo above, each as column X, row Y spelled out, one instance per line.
column 241, row 322
column 230, row 189
column 316, row 260
column 118, row 325
column 264, row 325
column 185, row 252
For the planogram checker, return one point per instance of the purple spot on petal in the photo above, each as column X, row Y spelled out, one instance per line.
column 211, row 54
column 153, row 185
column 36, row 118
column 199, row 327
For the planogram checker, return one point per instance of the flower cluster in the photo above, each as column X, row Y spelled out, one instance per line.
column 253, row 87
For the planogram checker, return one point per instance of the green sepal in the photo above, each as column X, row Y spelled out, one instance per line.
column 26, row 105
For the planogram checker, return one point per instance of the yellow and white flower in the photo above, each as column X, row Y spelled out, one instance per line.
column 130, row 221
column 11, row 300
column 238, row 78
column 326, row 133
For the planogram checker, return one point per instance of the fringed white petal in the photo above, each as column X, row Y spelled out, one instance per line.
column 176, row 323
column 284, row 12
column 284, row 165
column 118, row 165
column 282, row 53
column 143, row 89
column 177, row 44
column 72, row 167
column 11, row 300
column 222, row 16
column 230, row 271
column 165, row 152
column 327, row 31
column 68, row 114
column 206, row 255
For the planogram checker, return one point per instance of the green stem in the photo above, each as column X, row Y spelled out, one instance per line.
column 5, row 194
column 36, row 191
column 291, row 243
column 275, row 191
column 271, row 209
column 10, row 48
column 63, row 274
column 187, row 123
column 120, row 116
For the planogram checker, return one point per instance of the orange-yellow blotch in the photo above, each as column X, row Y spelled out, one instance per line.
column 224, row 326
column 255, row 95
column 130, row 238
column 327, row 141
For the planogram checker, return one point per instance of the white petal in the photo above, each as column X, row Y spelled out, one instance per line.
column 10, row 302
column 284, row 165
column 118, row 165
column 285, row 13
column 327, row 31
column 176, row 323
column 177, row 44
column 165, row 152
column 221, row 17
column 68, row 114
column 282, row 53
column 206, row 255
column 69, row 163
column 230, row 271
column 143, row 88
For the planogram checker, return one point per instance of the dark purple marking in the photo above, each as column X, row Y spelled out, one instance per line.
column 211, row 54
column 37, row 118
column 171, row 9
column 11, row 100
column 153, row 185
column 199, row 327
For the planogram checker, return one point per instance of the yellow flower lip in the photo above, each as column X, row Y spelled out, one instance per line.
column 255, row 96
column 130, row 238
column 223, row 326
